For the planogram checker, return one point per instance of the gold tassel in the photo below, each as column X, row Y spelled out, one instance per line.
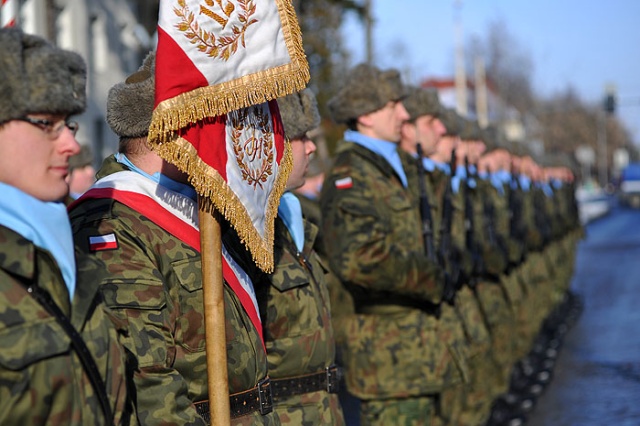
column 208, row 183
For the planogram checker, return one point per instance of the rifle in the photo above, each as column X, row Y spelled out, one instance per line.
column 449, row 265
column 496, row 241
column 516, row 230
column 425, row 210
column 470, row 240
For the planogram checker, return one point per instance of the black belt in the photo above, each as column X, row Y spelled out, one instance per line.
column 397, row 300
column 243, row 403
column 327, row 380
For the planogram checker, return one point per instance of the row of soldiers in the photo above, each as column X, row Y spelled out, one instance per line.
column 453, row 256
column 436, row 291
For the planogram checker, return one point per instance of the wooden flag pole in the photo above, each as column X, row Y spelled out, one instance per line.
column 212, row 289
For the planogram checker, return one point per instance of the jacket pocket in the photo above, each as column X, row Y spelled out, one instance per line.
column 27, row 343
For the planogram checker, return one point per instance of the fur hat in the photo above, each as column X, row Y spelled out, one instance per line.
column 82, row 159
column 299, row 112
column 37, row 77
column 453, row 122
column 421, row 102
column 130, row 104
column 367, row 89
column 471, row 131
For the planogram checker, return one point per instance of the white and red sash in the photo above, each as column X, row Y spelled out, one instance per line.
column 178, row 215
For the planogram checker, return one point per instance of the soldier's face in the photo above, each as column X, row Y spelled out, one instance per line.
column 385, row 123
column 429, row 131
column 301, row 150
column 34, row 162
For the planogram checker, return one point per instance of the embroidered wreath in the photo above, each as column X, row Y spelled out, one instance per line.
column 224, row 45
column 252, row 138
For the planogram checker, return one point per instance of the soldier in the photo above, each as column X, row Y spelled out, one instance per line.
column 81, row 172
column 420, row 137
column 140, row 219
column 295, row 310
column 60, row 361
column 369, row 217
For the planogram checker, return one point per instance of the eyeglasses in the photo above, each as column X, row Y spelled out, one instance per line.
column 53, row 129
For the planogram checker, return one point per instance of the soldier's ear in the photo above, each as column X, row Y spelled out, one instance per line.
column 365, row 120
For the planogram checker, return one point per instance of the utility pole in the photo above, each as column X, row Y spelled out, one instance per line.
column 608, row 108
column 482, row 104
column 461, row 76
column 368, row 22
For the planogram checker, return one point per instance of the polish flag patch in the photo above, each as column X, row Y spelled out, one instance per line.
column 344, row 183
column 103, row 242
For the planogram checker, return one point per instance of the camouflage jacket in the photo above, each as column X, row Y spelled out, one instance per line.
column 153, row 283
column 374, row 245
column 298, row 335
column 42, row 380
column 371, row 229
column 490, row 241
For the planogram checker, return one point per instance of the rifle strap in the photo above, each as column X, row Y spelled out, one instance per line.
column 89, row 365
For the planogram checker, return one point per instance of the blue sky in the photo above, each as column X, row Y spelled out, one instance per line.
column 587, row 44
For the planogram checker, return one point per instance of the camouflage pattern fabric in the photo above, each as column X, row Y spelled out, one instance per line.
column 42, row 380
column 371, row 225
column 298, row 334
column 153, row 284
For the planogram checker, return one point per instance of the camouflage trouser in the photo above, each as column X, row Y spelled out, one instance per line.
column 433, row 410
column 468, row 308
column 479, row 394
column 310, row 409
column 502, row 326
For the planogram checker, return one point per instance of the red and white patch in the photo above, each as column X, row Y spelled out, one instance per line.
column 103, row 242
column 344, row 183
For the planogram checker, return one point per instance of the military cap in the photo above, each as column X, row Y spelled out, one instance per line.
column 471, row 131
column 366, row 89
column 420, row 101
column 82, row 159
column 453, row 122
column 299, row 113
column 130, row 103
column 38, row 77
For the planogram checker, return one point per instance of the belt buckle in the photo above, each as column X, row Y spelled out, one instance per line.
column 264, row 396
column 333, row 378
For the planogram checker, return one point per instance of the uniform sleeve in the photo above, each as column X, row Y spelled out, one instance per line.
column 135, row 290
column 363, row 250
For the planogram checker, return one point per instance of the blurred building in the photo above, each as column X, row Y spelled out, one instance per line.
column 485, row 105
column 113, row 36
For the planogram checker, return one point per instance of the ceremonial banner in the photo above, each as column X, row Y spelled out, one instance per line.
column 219, row 66
column 9, row 12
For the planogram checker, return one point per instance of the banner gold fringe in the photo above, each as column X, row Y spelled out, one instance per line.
column 208, row 183
column 210, row 101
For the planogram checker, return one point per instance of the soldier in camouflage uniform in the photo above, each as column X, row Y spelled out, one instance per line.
column 421, row 135
column 371, row 223
column 295, row 306
column 60, row 360
column 140, row 220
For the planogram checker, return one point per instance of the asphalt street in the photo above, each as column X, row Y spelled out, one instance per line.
column 597, row 378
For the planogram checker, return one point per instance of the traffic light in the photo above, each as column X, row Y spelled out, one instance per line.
column 610, row 103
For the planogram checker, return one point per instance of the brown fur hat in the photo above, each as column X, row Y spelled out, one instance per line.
column 367, row 89
column 130, row 103
column 299, row 112
column 420, row 101
column 38, row 77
